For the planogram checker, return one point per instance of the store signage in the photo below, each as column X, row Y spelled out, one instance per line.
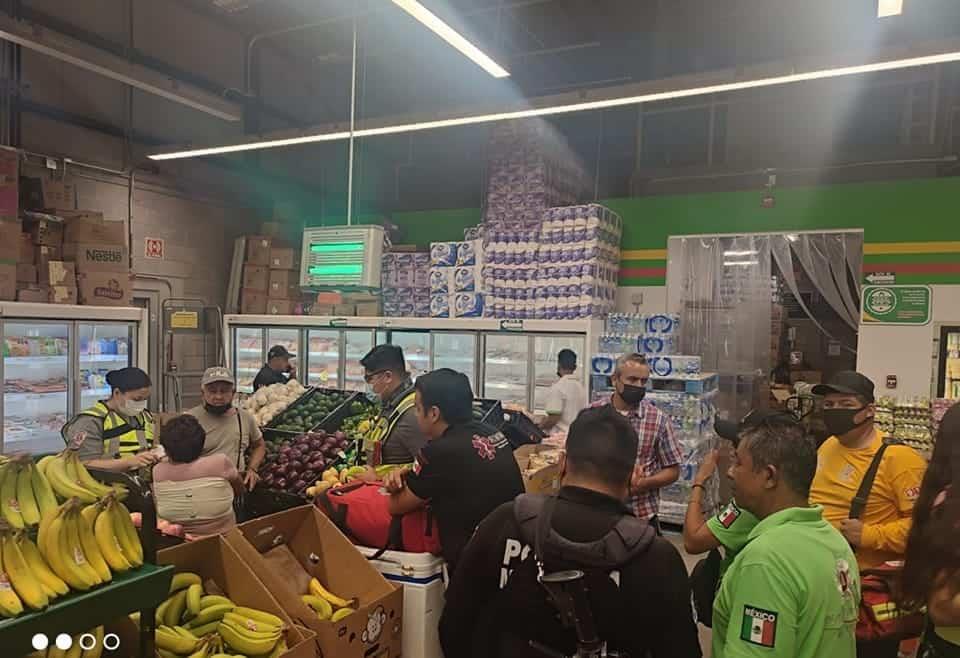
column 881, row 278
column 896, row 305
column 184, row 320
column 153, row 248
column 891, row 381
column 511, row 325
column 338, row 322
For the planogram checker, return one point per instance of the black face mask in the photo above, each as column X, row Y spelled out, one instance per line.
column 840, row 421
column 217, row 409
column 633, row 395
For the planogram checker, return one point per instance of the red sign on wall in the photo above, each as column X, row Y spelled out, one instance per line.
column 153, row 248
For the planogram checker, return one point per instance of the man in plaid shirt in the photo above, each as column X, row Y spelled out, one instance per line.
column 658, row 453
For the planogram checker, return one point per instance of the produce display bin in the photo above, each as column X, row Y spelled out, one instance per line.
column 270, row 430
column 490, row 412
column 263, row 501
column 333, row 421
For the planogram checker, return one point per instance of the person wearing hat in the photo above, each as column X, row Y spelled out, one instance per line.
column 116, row 434
column 230, row 431
column 277, row 369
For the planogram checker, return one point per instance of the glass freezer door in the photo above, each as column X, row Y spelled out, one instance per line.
column 290, row 339
column 103, row 347
column 457, row 352
column 357, row 343
column 249, row 356
column 545, row 350
column 36, row 376
column 416, row 350
column 950, row 384
column 507, row 368
column 324, row 358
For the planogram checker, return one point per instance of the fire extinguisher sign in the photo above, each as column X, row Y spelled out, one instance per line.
column 153, row 248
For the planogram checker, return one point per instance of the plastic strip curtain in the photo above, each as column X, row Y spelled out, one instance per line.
column 822, row 257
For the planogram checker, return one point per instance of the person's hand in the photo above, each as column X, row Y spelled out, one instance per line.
column 368, row 475
column 394, row 480
column 142, row 460
column 852, row 529
column 637, row 480
column 250, row 479
column 707, row 468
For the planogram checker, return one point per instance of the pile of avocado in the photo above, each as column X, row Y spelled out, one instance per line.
column 304, row 416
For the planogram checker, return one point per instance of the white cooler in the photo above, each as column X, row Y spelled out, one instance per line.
column 421, row 575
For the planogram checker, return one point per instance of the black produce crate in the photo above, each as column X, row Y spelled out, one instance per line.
column 262, row 501
column 271, row 432
column 520, row 430
column 492, row 412
column 336, row 417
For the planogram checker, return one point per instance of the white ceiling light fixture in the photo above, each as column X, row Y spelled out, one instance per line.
column 451, row 36
column 747, row 252
column 887, row 8
column 600, row 104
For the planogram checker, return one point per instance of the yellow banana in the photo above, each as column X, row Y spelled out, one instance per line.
column 161, row 612
column 43, row 462
column 210, row 614
column 9, row 505
column 127, row 534
column 169, row 639
column 54, row 652
column 183, row 580
column 180, row 630
column 42, row 491
column 279, row 650
column 39, row 568
column 79, row 474
column 194, row 594
column 108, row 543
column 63, row 485
column 25, row 584
column 206, row 629
column 75, row 651
column 259, row 616
column 75, row 546
column 213, row 599
column 320, row 605
column 29, row 509
column 91, row 550
column 336, row 601
column 341, row 613
column 174, row 611
column 251, row 625
column 97, row 646
column 242, row 642
column 60, row 557
column 10, row 604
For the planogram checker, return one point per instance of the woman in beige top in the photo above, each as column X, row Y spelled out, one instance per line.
column 193, row 491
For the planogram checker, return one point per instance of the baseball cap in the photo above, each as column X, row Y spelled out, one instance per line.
column 847, row 382
column 279, row 350
column 216, row 374
column 731, row 429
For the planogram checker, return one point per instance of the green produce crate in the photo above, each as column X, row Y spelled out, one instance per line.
column 271, row 430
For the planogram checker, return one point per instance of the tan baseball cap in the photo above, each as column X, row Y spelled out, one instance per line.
column 216, row 374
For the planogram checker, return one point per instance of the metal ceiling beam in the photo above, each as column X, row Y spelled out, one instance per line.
column 67, row 49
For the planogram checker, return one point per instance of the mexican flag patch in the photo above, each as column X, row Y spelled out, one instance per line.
column 759, row 626
column 728, row 515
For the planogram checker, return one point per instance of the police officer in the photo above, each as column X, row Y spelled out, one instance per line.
column 396, row 437
column 116, row 434
column 639, row 595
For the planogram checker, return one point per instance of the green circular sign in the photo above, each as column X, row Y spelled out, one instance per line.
column 881, row 301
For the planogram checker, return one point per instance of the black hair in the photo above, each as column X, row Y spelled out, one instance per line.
column 385, row 358
column 449, row 391
column 128, row 379
column 183, row 437
column 602, row 444
column 567, row 360
column 781, row 442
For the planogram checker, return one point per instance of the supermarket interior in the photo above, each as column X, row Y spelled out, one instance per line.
column 501, row 328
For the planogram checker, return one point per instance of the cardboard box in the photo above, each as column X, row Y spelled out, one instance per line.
column 323, row 310
column 85, row 226
column 48, row 192
column 105, row 288
column 98, row 257
column 226, row 572
column 27, row 252
column 258, row 250
column 9, row 183
column 253, row 302
column 35, row 294
column 284, row 284
column 368, row 309
column 59, row 273
column 345, row 309
column 256, row 277
column 285, row 550
column 45, row 230
column 281, row 306
column 271, row 229
column 62, row 294
column 329, row 298
column 44, row 254
column 283, row 258
column 8, row 282
column 543, row 480
column 26, row 274
column 10, row 236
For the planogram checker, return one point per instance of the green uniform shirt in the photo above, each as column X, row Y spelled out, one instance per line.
column 792, row 592
column 732, row 526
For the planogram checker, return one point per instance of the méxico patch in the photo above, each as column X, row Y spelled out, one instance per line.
column 759, row 626
column 728, row 515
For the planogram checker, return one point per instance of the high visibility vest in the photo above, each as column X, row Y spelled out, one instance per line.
column 379, row 434
column 120, row 438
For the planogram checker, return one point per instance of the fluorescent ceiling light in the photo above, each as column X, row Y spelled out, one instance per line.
column 821, row 74
column 451, row 36
column 887, row 8
column 740, row 263
column 750, row 252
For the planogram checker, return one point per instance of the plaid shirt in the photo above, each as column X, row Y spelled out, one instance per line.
column 658, row 449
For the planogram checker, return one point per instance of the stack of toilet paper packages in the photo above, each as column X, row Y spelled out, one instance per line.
column 405, row 282
column 456, row 279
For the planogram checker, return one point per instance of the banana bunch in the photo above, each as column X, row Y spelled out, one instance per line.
column 192, row 623
column 71, row 479
column 332, row 478
column 25, row 493
column 75, row 650
column 326, row 604
column 26, row 582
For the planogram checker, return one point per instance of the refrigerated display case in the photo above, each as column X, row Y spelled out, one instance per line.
column 250, row 357
column 509, row 360
column 55, row 363
column 948, row 379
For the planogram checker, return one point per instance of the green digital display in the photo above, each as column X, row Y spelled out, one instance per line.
column 336, row 247
column 334, row 270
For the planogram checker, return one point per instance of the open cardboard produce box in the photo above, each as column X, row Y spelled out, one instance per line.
column 289, row 548
column 223, row 569
column 545, row 479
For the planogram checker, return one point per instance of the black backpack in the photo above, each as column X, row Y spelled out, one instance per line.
column 704, row 582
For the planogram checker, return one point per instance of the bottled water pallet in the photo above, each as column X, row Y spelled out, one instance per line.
column 700, row 384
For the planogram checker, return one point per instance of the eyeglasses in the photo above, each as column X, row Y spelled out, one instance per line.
column 369, row 377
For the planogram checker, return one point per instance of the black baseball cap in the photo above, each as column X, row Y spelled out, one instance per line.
column 847, row 382
column 277, row 351
column 731, row 429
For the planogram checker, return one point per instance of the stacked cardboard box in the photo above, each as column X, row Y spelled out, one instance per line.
column 98, row 251
column 271, row 275
column 10, row 226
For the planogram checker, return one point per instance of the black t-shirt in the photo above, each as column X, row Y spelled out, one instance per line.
column 465, row 474
column 268, row 376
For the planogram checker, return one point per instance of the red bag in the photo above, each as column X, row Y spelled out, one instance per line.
column 361, row 511
column 880, row 618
